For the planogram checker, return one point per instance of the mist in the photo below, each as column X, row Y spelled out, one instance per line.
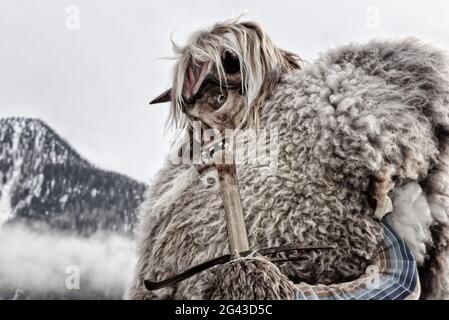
column 65, row 266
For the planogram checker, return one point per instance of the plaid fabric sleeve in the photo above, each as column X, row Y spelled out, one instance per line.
column 393, row 276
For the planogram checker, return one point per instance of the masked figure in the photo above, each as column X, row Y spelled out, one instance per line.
column 357, row 159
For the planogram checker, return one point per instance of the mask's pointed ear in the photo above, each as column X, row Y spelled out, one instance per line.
column 164, row 97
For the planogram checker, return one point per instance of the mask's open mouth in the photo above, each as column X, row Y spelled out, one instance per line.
column 210, row 80
column 199, row 76
column 229, row 83
column 194, row 79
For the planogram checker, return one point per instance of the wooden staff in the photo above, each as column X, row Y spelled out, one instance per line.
column 237, row 236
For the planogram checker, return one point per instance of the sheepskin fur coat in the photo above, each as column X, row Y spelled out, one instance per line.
column 360, row 117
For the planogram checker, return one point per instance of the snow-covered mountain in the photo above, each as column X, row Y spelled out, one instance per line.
column 45, row 182
column 59, row 212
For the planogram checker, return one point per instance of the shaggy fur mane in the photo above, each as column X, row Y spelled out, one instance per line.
column 260, row 61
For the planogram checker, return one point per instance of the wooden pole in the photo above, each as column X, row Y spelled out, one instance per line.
column 237, row 236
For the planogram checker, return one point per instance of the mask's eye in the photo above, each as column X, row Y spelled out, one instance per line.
column 220, row 99
column 231, row 63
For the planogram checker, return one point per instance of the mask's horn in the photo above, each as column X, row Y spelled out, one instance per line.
column 164, row 97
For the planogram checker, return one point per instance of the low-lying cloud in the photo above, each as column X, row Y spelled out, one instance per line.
column 36, row 264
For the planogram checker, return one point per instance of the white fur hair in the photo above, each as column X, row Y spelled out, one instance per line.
column 257, row 54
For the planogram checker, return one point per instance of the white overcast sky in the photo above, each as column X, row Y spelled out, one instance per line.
column 93, row 84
